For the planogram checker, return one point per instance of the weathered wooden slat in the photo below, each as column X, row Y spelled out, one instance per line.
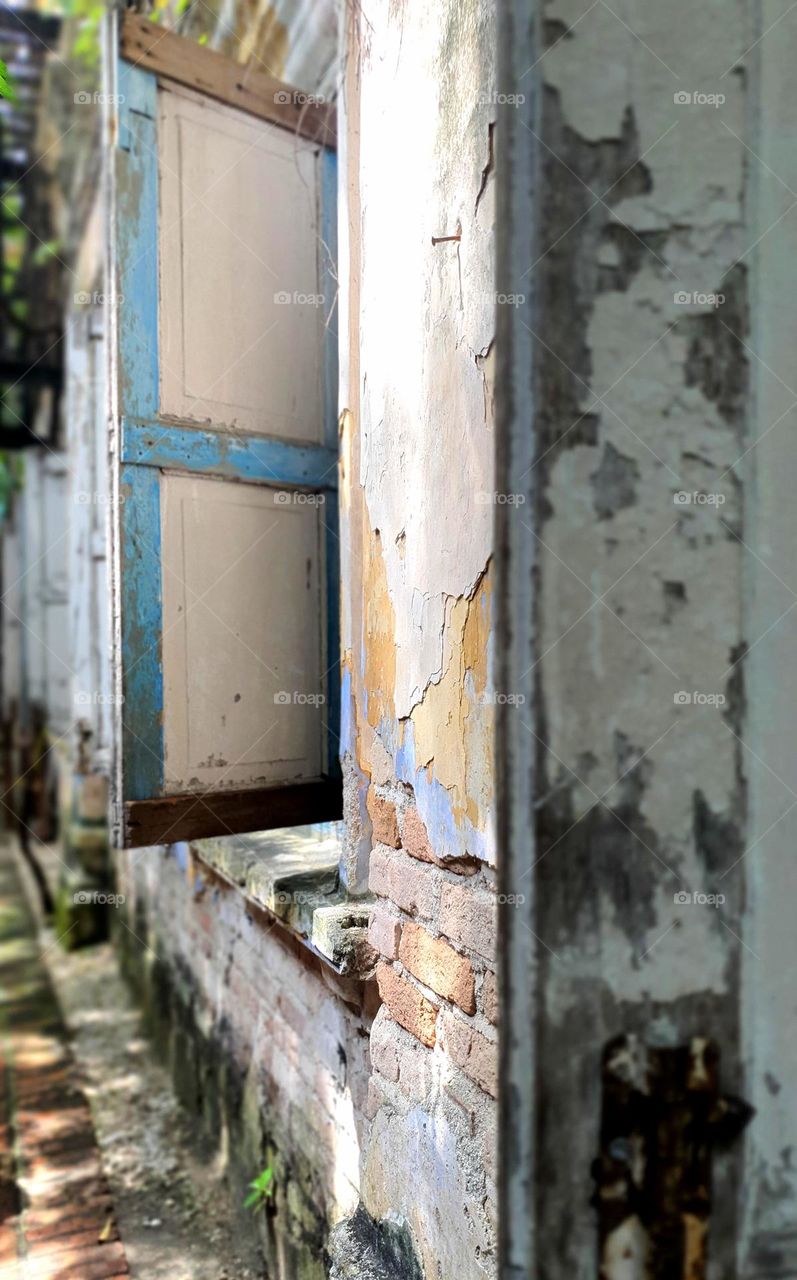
column 164, row 444
column 197, row 815
column 141, row 629
column 248, row 88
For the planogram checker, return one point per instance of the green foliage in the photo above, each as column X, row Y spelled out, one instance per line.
column 161, row 8
column 87, row 16
column 260, row 1189
column 7, row 89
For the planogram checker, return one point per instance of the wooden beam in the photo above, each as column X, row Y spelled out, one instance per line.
column 197, row 815
column 250, row 89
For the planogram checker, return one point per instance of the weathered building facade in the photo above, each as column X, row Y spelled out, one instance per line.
column 450, row 452
column 326, row 995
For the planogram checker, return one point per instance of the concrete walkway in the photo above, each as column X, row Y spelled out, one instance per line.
column 56, row 1216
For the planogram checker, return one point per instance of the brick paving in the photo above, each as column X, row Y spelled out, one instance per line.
column 56, row 1215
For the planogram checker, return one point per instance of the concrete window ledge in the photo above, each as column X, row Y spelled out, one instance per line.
column 292, row 873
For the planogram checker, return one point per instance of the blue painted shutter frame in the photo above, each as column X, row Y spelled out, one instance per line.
column 146, row 446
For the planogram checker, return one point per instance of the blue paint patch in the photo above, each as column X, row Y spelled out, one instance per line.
column 136, row 236
column 142, row 626
column 347, row 726
column 331, row 532
column 328, row 269
column 434, row 805
column 155, row 444
column 181, row 854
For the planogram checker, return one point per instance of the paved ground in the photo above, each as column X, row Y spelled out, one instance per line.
column 171, row 1203
column 56, row 1216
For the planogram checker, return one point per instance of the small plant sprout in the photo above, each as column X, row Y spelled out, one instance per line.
column 260, row 1189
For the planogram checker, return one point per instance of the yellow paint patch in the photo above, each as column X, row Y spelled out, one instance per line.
column 453, row 724
column 380, row 635
column 345, row 431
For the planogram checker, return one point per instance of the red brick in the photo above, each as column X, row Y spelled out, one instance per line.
column 415, row 839
column 468, row 917
column 74, row 1240
column 489, row 997
column 407, row 1004
column 48, row 1224
column 414, row 888
column 436, row 964
column 383, row 819
column 471, row 1051
column 384, row 932
column 97, row 1262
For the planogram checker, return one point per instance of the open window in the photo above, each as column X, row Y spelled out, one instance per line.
column 223, row 360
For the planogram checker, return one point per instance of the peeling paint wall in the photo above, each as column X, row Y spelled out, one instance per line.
column 417, row 319
column 641, row 376
column 769, row 1237
column 417, row 438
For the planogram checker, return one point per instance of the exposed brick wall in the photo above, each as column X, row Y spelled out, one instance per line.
column 327, row 1078
column 434, row 1040
column 435, row 929
column 266, row 1044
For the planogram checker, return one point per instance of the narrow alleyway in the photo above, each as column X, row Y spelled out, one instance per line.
column 93, row 1143
column 55, row 1206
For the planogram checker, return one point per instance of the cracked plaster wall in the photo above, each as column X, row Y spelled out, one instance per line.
column 641, row 397
column 416, row 334
column 416, row 427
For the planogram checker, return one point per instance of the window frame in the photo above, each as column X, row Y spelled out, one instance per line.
column 145, row 444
